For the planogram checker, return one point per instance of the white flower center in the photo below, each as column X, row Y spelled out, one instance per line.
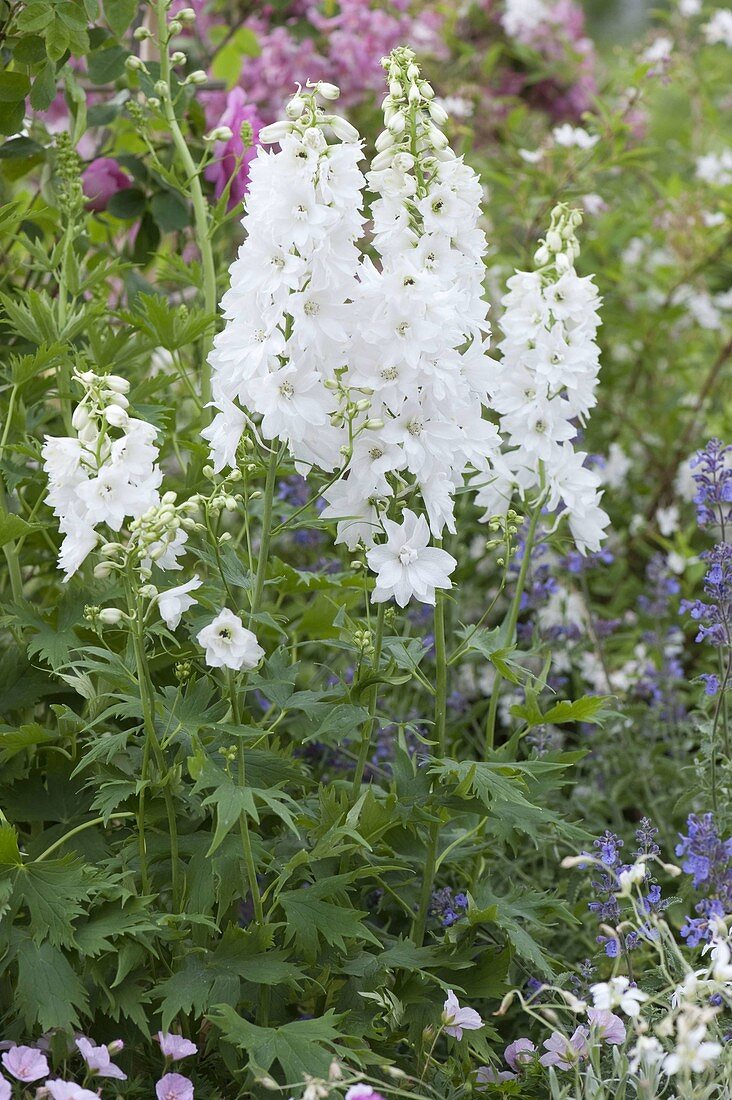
column 311, row 308
column 407, row 555
column 390, row 374
column 287, row 390
column 403, row 328
column 414, row 427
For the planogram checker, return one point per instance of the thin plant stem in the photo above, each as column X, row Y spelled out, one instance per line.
column 433, row 839
column 261, row 573
column 200, row 207
column 370, row 723
column 511, row 622
column 152, row 747
column 80, row 829
column 246, row 842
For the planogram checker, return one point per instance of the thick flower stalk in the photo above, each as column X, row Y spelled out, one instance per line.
column 420, row 325
column 284, row 345
column 544, row 387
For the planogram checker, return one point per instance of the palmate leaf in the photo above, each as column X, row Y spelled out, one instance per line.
column 299, row 1048
column 48, row 992
column 310, row 918
column 53, row 893
column 517, row 912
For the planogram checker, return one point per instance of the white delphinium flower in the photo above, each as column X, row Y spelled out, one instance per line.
column 618, row 993
column 406, row 565
column 693, row 1051
column 175, row 601
column 228, row 643
column 521, row 17
column 719, row 28
column 419, row 322
column 574, row 137
column 715, row 168
column 107, row 473
column 545, row 385
column 286, row 333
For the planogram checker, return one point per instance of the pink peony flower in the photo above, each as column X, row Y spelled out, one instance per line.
column 231, row 158
column 98, row 1059
column 174, row 1046
column 456, row 1019
column 610, row 1027
column 174, row 1087
column 68, row 1090
column 100, row 180
column 519, row 1053
column 25, row 1063
column 564, row 1052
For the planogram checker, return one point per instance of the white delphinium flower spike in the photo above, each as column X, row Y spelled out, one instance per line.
column 286, row 311
column 544, row 387
column 104, row 475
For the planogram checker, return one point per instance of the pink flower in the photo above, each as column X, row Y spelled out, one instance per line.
column 98, row 1059
column 363, row 1092
column 25, row 1063
column 231, row 158
column 100, row 180
column 174, row 1046
column 68, row 1090
column 5, row 1090
column 456, row 1019
column 487, row 1075
column 564, row 1052
column 609, row 1026
column 519, row 1053
column 174, row 1087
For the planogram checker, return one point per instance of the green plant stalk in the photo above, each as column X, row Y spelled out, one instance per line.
column 200, row 207
column 152, row 746
column 433, row 839
column 80, row 829
column 246, row 842
column 261, row 573
column 510, row 624
column 11, row 557
column 370, row 723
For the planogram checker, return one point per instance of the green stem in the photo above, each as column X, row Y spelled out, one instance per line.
column 11, row 557
column 200, row 207
column 370, row 723
column 80, row 829
column 509, row 629
column 246, row 842
column 261, row 574
column 433, row 839
column 152, row 747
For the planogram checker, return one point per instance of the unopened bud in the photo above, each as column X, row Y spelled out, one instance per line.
column 111, row 616
column 103, row 570
column 175, row 26
column 328, row 91
column 198, row 76
column 134, row 63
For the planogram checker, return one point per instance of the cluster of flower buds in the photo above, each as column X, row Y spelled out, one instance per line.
column 304, row 113
column 560, row 248
column 412, row 117
column 104, row 404
column 157, row 537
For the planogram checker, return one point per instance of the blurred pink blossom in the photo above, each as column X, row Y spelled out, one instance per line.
column 232, row 157
column 25, row 1063
column 100, row 180
column 174, row 1087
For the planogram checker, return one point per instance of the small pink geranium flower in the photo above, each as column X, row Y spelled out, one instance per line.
column 174, row 1087
column 363, row 1092
column 5, row 1090
column 455, row 1019
column 25, row 1063
column 68, row 1090
column 175, row 1046
column 519, row 1053
column 610, row 1027
column 98, row 1059
column 564, row 1052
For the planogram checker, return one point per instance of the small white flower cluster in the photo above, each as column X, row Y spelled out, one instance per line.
column 545, row 385
column 105, row 474
column 286, row 335
column 523, row 16
column 420, row 324
column 715, row 168
column 719, row 28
